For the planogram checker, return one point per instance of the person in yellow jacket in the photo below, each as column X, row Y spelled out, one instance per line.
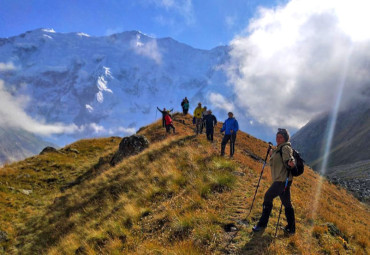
column 198, row 117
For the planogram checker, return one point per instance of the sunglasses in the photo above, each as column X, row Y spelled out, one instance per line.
column 283, row 130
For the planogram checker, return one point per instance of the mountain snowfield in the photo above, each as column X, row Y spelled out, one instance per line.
column 111, row 85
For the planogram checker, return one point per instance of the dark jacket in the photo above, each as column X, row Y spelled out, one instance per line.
column 164, row 112
column 210, row 121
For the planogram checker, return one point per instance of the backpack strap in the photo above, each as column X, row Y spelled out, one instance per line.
column 281, row 155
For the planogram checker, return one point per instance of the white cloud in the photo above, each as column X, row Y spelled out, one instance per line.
column 148, row 49
column 287, row 66
column 230, row 21
column 7, row 66
column 219, row 102
column 89, row 108
column 95, row 128
column 111, row 31
column 125, row 131
column 13, row 115
column 183, row 8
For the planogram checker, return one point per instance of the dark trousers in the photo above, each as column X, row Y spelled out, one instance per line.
column 209, row 133
column 163, row 122
column 232, row 139
column 198, row 123
column 201, row 126
column 168, row 127
column 277, row 189
column 185, row 111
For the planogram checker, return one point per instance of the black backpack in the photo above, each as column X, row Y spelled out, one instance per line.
column 299, row 163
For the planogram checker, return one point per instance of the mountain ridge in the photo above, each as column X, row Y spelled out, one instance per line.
column 177, row 196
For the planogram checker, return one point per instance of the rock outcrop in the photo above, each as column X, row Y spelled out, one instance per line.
column 129, row 146
column 48, row 149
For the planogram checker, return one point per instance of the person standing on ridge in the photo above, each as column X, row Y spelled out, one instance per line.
column 210, row 122
column 230, row 127
column 198, row 117
column 204, row 113
column 169, row 123
column 164, row 112
column 185, row 106
column 281, row 160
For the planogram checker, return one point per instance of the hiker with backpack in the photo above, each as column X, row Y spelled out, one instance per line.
column 198, row 118
column 230, row 127
column 185, row 106
column 210, row 122
column 169, row 123
column 281, row 161
column 164, row 112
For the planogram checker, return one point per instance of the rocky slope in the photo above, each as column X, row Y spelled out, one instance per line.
column 178, row 196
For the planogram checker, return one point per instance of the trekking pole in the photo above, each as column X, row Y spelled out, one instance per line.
column 281, row 207
column 258, row 184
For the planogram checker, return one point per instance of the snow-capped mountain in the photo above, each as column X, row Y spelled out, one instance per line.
column 108, row 85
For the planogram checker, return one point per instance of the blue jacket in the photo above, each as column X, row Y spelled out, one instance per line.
column 230, row 124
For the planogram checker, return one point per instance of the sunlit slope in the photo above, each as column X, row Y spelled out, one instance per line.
column 176, row 197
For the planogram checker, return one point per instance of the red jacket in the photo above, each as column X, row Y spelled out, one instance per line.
column 168, row 119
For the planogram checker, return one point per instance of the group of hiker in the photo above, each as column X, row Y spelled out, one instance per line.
column 281, row 159
column 204, row 118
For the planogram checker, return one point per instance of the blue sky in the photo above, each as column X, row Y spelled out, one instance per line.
column 289, row 60
column 202, row 24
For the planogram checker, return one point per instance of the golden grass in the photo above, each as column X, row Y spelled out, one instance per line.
column 175, row 197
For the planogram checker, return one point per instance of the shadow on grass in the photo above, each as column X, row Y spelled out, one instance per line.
column 258, row 244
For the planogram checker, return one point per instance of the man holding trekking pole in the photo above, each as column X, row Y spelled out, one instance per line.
column 230, row 127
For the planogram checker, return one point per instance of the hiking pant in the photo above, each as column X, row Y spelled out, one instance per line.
column 185, row 111
column 198, row 123
column 209, row 133
column 277, row 189
column 202, row 126
column 168, row 127
column 163, row 122
column 232, row 139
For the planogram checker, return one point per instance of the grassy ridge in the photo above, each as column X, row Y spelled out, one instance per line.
column 176, row 197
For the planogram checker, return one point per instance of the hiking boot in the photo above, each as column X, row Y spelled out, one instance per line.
column 288, row 230
column 289, row 213
column 258, row 228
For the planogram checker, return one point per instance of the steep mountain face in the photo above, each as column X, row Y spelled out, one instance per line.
column 178, row 196
column 18, row 144
column 349, row 157
column 350, row 140
column 107, row 85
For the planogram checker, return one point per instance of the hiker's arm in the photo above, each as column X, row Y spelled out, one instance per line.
column 223, row 127
column 236, row 126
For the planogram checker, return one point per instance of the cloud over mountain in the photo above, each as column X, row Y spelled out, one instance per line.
column 13, row 115
column 291, row 61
